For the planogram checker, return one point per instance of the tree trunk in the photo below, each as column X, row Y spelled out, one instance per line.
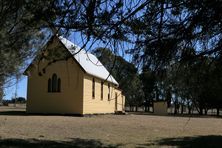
column 218, row 111
column 1, row 94
column 200, row 110
column 146, row 108
column 189, row 110
column 131, row 109
column 136, row 108
column 175, row 108
column 205, row 111
column 182, row 109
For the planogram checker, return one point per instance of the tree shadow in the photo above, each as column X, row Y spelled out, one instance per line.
column 37, row 143
column 24, row 113
column 212, row 141
column 174, row 115
column 13, row 113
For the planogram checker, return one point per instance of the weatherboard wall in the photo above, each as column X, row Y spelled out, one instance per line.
column 68, row 101
column 97, row 105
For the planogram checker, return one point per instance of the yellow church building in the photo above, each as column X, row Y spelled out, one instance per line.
column 75, row 82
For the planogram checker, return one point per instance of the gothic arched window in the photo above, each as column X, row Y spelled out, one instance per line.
column 108, row 92
column 54, row 84
column 93, row 88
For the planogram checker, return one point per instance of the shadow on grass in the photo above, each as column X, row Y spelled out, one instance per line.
column 13, row 113
column 175, row 115
column 24, row 113
column 36, row 143
column 186, row 142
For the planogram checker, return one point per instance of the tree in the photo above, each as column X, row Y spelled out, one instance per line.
column 1, row 94
column 148, row 82
column 198, row 83
column 18, row 100
column 161, row 28
column 20, row 34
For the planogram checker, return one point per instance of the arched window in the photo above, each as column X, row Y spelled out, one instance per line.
column 54, row 84
column 93, row 88
column 102, row 90
column 49, row 85
column 108, row 92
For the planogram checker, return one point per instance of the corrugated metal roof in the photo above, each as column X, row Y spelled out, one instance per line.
column 88, row 61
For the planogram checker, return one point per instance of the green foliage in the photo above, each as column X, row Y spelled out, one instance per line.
column 148, row 80
column 20, row 35
column 198, row 82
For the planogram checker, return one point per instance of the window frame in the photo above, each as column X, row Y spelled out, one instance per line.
column 108, row 91
column 93, row 88
column 102, row 83
column 54, row 84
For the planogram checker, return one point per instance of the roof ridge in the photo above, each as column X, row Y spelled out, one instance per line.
column 88, row 61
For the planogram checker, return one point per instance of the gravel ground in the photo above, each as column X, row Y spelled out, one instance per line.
column 20, row 130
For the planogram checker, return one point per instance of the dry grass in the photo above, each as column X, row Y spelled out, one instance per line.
column 20, row 130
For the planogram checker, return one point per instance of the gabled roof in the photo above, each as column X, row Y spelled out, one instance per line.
column 88, row 61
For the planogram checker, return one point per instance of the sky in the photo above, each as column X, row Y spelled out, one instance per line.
column 21, row 89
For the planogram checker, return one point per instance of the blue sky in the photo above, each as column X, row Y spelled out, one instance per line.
column 21, row 91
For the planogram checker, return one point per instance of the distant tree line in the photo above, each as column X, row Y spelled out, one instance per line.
column 196, row 85
column 18, row 100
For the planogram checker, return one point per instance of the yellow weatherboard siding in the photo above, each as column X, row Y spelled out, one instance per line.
column 69, row 100
column 120, row 101
column 96, row 105
column 76, row 89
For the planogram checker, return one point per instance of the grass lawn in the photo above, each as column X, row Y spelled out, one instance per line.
column 20, row 130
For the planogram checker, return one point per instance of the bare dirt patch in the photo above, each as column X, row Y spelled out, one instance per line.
column 18, row 129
